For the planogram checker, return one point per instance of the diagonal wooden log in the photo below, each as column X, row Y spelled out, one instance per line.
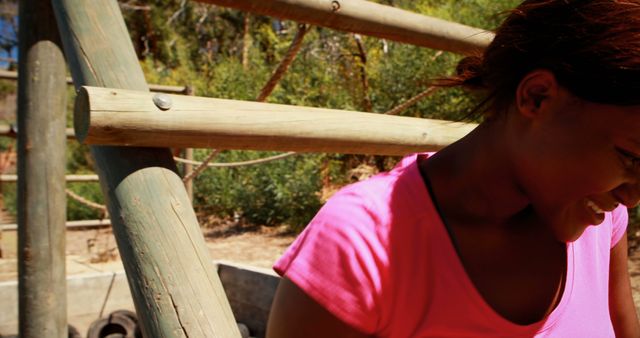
column 126, row 117
column 41, row 165
column 175, row 288
column 369, row 18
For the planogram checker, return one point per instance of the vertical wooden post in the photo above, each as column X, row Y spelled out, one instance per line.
column 246, row 40
column 175, row 288
column 41, row 167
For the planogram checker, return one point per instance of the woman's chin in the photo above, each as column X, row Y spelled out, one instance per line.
column 569, row 232
column 569, row 224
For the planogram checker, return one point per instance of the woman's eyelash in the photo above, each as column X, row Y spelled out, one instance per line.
column 631, row 160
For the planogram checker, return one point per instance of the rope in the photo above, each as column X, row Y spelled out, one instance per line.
column 237, row 164
column 410, row 102
column 201, row 167
column 86, row 202
column 284, row 64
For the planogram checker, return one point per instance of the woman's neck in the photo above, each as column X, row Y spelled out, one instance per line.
column 474, row 181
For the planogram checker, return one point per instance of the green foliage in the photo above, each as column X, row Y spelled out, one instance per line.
column 283, row 191
column 187, row 43
column 89, row 191
column 75, row 210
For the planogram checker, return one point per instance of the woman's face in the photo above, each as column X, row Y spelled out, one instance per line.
column 578, row 161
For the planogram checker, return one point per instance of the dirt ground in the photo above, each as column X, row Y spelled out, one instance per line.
column 95, row 250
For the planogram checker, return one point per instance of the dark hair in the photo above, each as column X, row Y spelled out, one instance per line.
column 592, row 47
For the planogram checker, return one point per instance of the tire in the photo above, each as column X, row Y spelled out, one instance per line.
column 113, row 326
column 73, row 332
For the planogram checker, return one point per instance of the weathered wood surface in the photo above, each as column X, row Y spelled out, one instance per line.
column 10, row 75
column 41, row 166
column 372, row 19
column 9, row 178
column 124, row 117
column 175, row 289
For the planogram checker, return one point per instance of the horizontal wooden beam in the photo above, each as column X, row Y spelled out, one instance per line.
column 70, row 224
column 372, row 19
column 11, row 75
column 124, row 117
column 10, row 130
column 8, row 178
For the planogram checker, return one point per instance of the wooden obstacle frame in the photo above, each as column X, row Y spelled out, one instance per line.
column 175, row 289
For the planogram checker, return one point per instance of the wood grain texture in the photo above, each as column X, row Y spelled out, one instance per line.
column 368, row 18
column 175, row 288
column 41, row 116
column 124, row 117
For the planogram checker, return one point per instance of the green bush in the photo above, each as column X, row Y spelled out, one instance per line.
column 182, row 43
column 282, row 191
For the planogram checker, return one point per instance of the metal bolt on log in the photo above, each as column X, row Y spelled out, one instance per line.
column 162, row 101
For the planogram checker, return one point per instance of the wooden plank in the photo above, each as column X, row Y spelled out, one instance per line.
column 11, row 75
column 8, row 178
column 41, row 165
column 125, row 117
column 175, row 289
column 372, row 19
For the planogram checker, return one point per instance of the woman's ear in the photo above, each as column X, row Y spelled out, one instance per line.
column 536, row 93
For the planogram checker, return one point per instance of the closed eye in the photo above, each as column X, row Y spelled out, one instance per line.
column 630, row 160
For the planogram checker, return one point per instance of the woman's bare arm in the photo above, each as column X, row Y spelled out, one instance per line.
column 621, row 307
column 294, row 315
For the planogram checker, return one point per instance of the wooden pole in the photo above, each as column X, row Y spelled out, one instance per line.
column 246, row 40
column 125, row 117
column 94, row 223
column 42, row 296
column 8, row 178
column 175, row 289
column 11, row 75
column 11, row 131
column 368, row 18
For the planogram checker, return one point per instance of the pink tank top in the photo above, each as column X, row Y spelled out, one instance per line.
column 378, row 257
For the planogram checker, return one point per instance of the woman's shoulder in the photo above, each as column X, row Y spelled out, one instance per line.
column 384, row 190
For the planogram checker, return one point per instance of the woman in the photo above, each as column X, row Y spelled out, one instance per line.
column 516, row 230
